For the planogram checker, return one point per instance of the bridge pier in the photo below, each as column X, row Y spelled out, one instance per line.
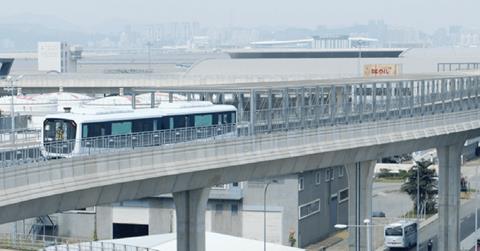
column 449, row 196
column 360, row 180
column 190, row 207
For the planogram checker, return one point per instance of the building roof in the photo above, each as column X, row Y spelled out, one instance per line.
column 214, row 242
column 318, row 53
column 412, row 61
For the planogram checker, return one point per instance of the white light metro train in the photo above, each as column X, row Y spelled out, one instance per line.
column 82, row 131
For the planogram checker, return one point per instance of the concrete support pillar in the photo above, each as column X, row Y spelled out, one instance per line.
column 449, row 196
column 360, row 180
column 190, row 207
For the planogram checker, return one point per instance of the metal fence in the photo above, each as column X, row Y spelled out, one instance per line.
column 56, row 243
column 99, row 246
column 98, row 145
column 448, row 67
column 21, row 122
column 21, row 136
column 31, row 241
column 273, row 109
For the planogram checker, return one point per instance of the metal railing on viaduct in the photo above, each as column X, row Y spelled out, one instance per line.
column 294, row 128
column 286, row 106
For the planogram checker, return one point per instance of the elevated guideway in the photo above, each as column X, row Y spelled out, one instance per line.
column 289, row 129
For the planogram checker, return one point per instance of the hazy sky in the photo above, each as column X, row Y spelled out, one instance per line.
column 87, row 14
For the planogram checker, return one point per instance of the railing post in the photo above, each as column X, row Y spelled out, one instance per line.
column 270, row 110
column 388, row 101
column 333, row 104
column 302, row 107
column 253, row 109
column 453, row 90
column 422, row 97
column 285, row 108
column 476, row 91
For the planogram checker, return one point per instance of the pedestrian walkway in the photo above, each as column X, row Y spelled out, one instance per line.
column 329, row 242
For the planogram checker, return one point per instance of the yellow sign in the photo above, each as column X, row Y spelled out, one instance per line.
column 372, row 70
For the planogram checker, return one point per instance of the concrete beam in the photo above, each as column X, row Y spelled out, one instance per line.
column 190, row 207
column 449, row 196
column 360, row 180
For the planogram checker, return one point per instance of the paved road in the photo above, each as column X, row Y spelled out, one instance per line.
column 467, row 225
column 388, row 198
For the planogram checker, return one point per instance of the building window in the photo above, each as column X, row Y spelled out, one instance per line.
column 234, row 209
column 340, row 172
column 317, row 177
column 235, row 184
column 328, row 173
column 308, row 209
column 343, row 195
column 301, row 184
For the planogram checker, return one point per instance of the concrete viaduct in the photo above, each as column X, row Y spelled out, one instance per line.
column 350, row 124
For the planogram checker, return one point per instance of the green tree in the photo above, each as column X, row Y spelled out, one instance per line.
column 428, row 186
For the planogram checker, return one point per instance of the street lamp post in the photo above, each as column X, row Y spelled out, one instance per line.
column 369, row 230
column 476, row 203
column 367, row 225
column 12, row 81
column 418, row 202
column 265, row 214
column 358, row 42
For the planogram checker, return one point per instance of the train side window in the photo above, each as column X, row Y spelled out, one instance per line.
column 119, row 128
column 191, row 121
column 179, row 121
column 142, row 125
column 202, row 120
column 165, row 123
column 84, row 131
column 225, row 118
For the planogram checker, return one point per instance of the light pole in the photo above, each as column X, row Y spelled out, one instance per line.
column 367, row 225
column 476, row 202
column 418, row 202
column 369, row 230
column 265, row 213
column 358, row 42
column 12, row 81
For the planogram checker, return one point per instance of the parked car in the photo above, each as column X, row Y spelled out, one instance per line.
column 378, row 214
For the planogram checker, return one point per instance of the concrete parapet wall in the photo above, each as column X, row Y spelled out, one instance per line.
column 80, row 182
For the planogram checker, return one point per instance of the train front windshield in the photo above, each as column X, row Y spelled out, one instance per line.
column 59, row 135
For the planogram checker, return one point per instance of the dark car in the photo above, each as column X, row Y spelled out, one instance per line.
column 378, row 214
